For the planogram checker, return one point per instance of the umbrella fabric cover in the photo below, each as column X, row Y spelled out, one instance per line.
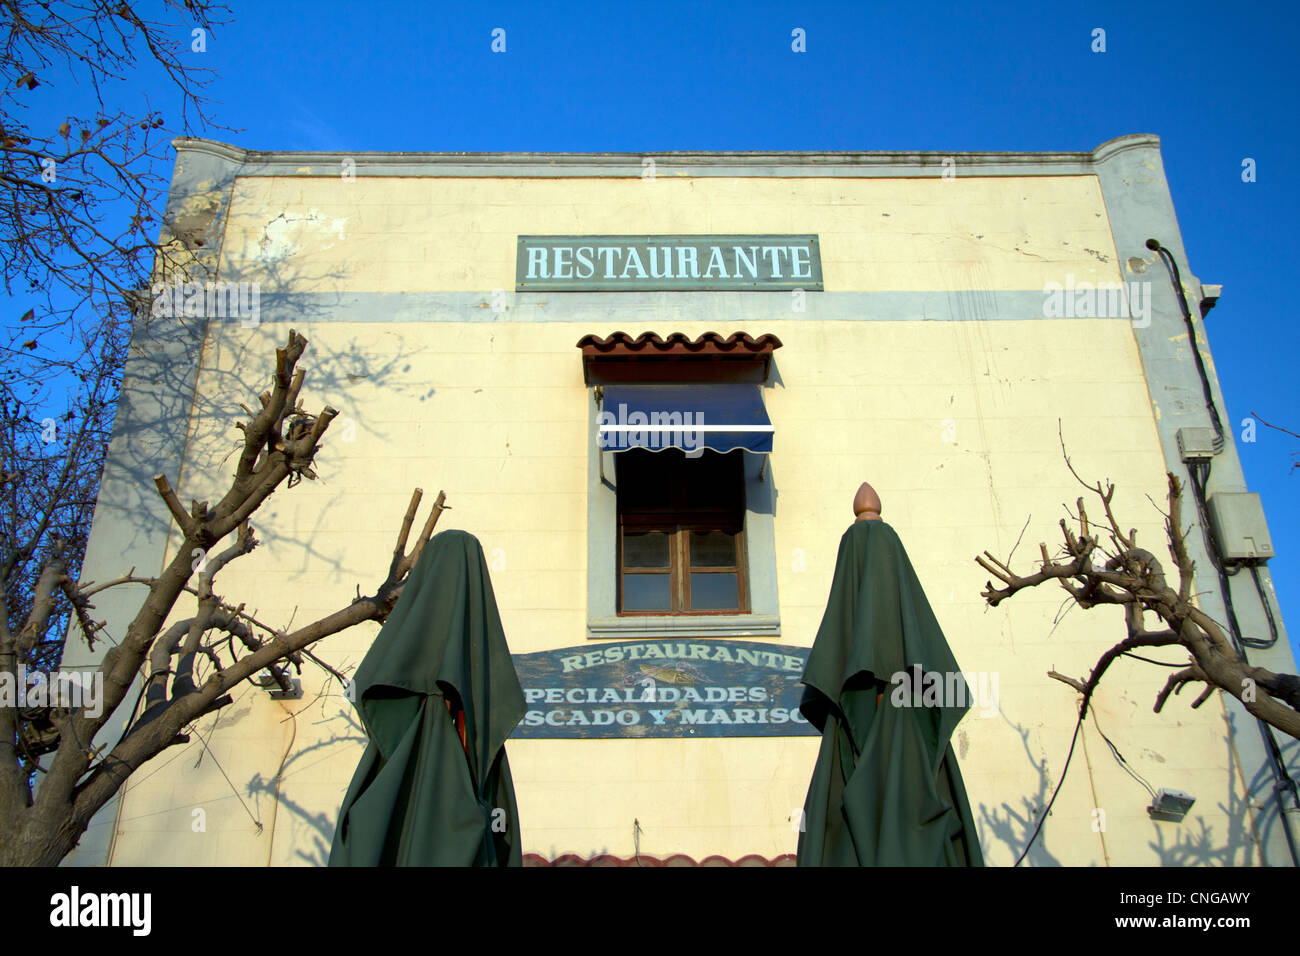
column 886, row 790
column 421, row 797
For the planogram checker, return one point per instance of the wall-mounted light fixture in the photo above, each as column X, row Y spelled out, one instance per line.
column 1170, row 805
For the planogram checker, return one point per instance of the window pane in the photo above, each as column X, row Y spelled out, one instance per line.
column 645, row 549
column 714, row 592
column 712, row 550
column 646, row 592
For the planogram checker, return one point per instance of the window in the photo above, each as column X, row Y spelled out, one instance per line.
column 681, row 545
column 680, row 510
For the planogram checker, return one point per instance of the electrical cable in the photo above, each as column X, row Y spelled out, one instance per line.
column 1147, row 660
column 1048, row 809
column 1066, row 769
column 1268, row 607
column 1280, row 773
column 1199, row 475
column 1120, row 757
column 1176, row 277
column 135, row 710
column 233, row 788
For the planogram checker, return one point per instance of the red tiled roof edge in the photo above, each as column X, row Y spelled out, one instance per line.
column 677, row 859
column 707, row 343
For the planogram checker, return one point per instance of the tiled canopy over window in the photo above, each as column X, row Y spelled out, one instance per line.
column 649, row 358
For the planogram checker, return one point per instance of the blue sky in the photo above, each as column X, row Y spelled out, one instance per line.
column 1217, row 83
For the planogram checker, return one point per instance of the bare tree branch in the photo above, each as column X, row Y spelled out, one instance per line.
column 191, row 665
column 1133, row 578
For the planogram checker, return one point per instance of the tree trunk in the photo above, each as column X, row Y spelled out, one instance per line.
column 28, row 838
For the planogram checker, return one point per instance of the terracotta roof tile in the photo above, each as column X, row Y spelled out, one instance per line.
column 678, row 342
column 678, row 358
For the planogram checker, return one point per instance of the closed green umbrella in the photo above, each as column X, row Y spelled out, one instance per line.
column 886, row 790
column 434, row 789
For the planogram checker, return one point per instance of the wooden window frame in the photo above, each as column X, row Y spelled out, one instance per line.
column 679, row 527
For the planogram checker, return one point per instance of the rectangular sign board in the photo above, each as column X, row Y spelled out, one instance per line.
column 658, row 263
column 664, row 688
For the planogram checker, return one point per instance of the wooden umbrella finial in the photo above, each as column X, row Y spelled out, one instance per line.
column 866, row 504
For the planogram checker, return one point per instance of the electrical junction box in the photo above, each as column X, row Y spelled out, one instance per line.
column 1198, row 444
column 1171, row 805
column 1240, row 532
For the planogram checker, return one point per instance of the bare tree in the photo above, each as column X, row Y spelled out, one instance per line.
column 1295, row 455
column 80, row 205
column 79, row 208
column 188, row 668
column 1121, row 573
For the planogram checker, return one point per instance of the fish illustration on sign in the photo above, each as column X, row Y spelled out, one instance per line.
column 679, row 673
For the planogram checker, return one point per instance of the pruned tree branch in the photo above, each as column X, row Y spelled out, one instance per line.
column 190, row 665
column 1133, row 578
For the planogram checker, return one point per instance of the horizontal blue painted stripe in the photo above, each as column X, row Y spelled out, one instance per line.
column 634, row 309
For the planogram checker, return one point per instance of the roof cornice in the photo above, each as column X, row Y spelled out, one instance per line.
column 245, row 162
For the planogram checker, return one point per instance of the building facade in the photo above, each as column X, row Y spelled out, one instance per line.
column 487, row 324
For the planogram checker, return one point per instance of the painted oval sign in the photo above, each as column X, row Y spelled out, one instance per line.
column 673, row 688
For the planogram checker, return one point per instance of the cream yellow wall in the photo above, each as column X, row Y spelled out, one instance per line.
column 325, row 234
column 954, row 422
